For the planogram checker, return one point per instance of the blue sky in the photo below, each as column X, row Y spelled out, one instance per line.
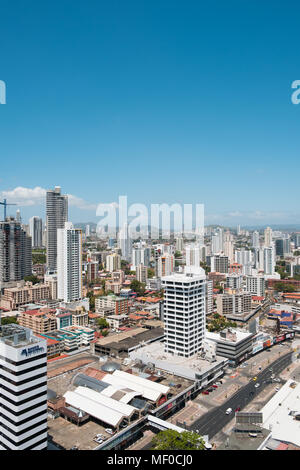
column 162, row 101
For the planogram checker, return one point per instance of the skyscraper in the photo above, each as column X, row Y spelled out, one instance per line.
column 113, row 262
column 125, row 243
column 269, row 260
column 69, row 260
column 56, row 216
column 165, row 265
column 268, row 236
column 23, row 389
column 184, row 311
column 255, row 239
column 192, row 255
column 36, row 231
column 15, row 252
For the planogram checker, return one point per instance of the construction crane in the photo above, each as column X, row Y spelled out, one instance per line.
column 5, row 204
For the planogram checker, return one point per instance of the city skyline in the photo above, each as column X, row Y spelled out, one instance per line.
column 121, row 97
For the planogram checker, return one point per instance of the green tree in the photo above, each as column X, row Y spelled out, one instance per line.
column 91, row 297
column 138, row 287
column 8, row 320
column 174, row 440
column 282, row 287
column 151, row 273
column 32, row 279
column 102, row 323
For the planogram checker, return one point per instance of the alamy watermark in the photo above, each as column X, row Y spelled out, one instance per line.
column 137, row 221
column 2, row 92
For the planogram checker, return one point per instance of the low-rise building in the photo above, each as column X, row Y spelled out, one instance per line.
column 234, row 304
column 119, row 304
column 234, row 344
column 23, row 294
column 117, row 321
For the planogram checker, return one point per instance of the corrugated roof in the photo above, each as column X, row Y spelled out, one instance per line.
column 93, row 408
column 114, row 405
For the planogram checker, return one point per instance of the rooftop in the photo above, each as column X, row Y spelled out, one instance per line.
column 278, row 416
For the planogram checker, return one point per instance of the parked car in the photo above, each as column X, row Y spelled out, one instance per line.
column 109, row 431
column 238, row 409
column 205, row 392
column 277, row 389
column 254, row 379
column 277, row 380
column 210, row 389
column 228, row 411
column 257, row 385
column 215, row 386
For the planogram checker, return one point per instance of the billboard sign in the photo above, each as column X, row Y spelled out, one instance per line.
column 279, row 338
column 257, row 347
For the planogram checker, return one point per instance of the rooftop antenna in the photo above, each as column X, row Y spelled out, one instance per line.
column 5, row 204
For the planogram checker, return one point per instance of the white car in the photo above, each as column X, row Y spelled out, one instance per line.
column 228, row 411
column 256, row 385
column 109, row 431
column 277, row 389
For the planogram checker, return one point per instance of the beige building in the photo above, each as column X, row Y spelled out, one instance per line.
column 234, row 304
column 119, row 304
column 142, row 273
column 23, row 294
column 113, row 262
column 80, row 317
column 40, row 321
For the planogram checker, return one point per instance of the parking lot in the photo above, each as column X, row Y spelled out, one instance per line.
column 68, row 435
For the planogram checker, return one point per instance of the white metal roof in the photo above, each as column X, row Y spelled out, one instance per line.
column 149, row 390
column 122, row 383
column 276, row 415
column 115, row 405
column 128, row 396
column 130, row 378
column 97, row 410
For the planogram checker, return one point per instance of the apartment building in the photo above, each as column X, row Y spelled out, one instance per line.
column 234, row 304
column 24, row 293
column 119, row 304
column 40, row 321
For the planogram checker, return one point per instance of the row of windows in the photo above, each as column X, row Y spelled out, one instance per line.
column 26, row 400
column 19, row 413
column 19, row 433
column 25, row 361
column 18, row 444
column 22, row 372
column 21, row 382
column 25, row 390
column 24, row 421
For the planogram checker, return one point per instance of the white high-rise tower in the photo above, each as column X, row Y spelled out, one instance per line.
column 23, row 389
column 184, row 311
column 69, row 260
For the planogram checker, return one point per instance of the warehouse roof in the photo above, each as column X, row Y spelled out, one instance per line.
column 93, row 408
column 149, row 390
column 278, row 413
column 114, row 405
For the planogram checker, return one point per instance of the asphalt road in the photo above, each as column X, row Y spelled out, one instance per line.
column 215, row 420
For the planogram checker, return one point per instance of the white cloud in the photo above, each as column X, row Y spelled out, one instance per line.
column 37, row 196
column 25, row 196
